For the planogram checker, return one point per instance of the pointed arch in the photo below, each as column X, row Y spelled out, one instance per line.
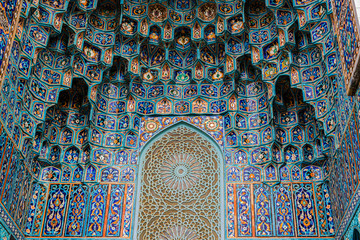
column 175, row 134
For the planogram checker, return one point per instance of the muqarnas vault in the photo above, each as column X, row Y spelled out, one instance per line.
column 179, row 119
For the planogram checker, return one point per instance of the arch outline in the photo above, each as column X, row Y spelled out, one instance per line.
column 138, row 183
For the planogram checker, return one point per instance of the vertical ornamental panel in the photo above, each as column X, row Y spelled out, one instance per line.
column 76, row 212
column 305, row 209
column 243, row 205
column 283, row 210
column 128, row 205
column 5, row 164
column 55, row 213
column 348, row 185
column 115, row 210
column 23, row 202
column 321, row 214
column 263, row 212
column 36, row 210
column 355, row 141
column 230, row 210
column 10, row 182
column 346, row 29
column 96, row 215
column 351, row 164
column 19, row 179
column 323, row 206
column 328, row 210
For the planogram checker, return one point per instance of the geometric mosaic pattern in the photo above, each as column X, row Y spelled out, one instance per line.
column 347, row 30
column 181, row 183
column 87, row 84
column 343, row 169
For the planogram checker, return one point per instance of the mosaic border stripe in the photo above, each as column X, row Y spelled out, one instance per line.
column 9, row 223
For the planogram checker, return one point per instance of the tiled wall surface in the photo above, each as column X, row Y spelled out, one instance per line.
column 72, row 125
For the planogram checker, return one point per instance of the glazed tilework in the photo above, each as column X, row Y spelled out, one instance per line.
column 9, row 16
column 272, row 209
column 354, row 223
column 89, row 83
column 343, row 170
column 41, row 207
column 151, row 126
column 4, row 234
column 346, row 27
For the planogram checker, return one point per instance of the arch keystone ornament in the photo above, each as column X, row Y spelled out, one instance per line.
column 180, row 187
